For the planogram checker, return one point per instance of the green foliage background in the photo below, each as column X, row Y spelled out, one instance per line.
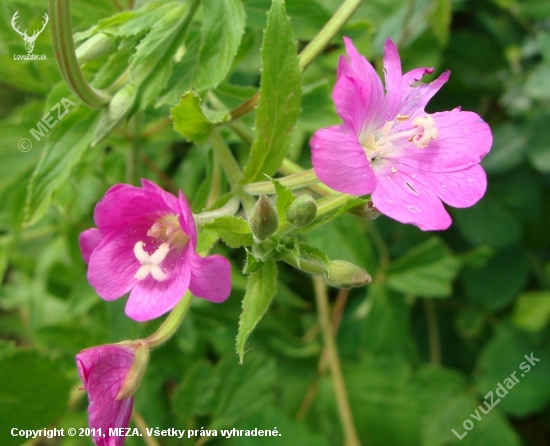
column 448, row 316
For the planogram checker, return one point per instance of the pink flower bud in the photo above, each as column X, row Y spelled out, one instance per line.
column 111, row 375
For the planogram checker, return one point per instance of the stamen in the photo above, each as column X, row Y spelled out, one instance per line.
column 429, row 131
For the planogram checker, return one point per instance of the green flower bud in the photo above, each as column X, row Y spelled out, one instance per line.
column 343, row 274
column 137, row 370
column 97, row 46
column 263, row 219
column 302, row 211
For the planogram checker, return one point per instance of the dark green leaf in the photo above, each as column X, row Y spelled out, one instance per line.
column 190, row 120
column 58, row 158
column 243, row 389
column 234, row 231
column 261, row 287
column 34, row 393
column 427, row 270
column 222, row 29
column 195, row 395
column 280, row 93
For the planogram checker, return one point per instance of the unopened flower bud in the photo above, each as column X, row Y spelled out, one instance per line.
column 263, row 219
column 343, row 274
column 302, row 211
column 97, row 46
column 111, row 375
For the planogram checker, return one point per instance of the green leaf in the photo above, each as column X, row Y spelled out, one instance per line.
column 505, row 355
column 280, row 94
column 190, row 119
column 427, row 270
column 243, row 389
column 497, row 283
column 183, row 71
column 222, row 29
column 195, row 395
column 306, row 250
column 386, row 328
column 260, row 290
column 34, row 392
column 285, row 198
column 59, row 157
column 153, row 47
column 380, row 398
column 532, row 310
column 252, row 264
column 234, row 231
column 438, row 387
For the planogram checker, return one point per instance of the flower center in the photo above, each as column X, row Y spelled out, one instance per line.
column 168, row 230
column 382, row 141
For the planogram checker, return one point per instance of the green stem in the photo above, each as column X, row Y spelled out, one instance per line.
column 344, row 410
column 171, row 323
column 229, row 208
column 63, row 44
column 290, row 168
column 339, row 19
column 296, row 181
column 308, row 266
column 227, row 160
column 311, row 51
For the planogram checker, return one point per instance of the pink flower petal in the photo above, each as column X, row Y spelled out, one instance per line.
column 357, row 104
column 89, row 240
column 102, row 370
column 460, row 189
column 393, row 78
column 340, row 162
column 186, row 219
column 151, row 298
column 168, row 198
column 464, row 139
column 399, row 194
column 415, row 99
column 358, row 67
column 210, row 277
column 113, row 264
column 126, row 205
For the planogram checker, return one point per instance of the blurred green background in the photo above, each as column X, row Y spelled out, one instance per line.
column 449, row 316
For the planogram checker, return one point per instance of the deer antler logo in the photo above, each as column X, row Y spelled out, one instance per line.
column 29, row 40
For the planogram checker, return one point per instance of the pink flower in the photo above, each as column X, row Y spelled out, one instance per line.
column 111, row 374
column 145, row 243
column 388, row 146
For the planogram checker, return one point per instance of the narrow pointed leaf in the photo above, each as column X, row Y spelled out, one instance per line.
column 280, row 95
column 262, row 286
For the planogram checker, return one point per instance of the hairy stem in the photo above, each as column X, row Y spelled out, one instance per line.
column 63, row 45
column 433, row 332
column 227, row 160
column 171, row 323
column 296, row 181
column 344, row 410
